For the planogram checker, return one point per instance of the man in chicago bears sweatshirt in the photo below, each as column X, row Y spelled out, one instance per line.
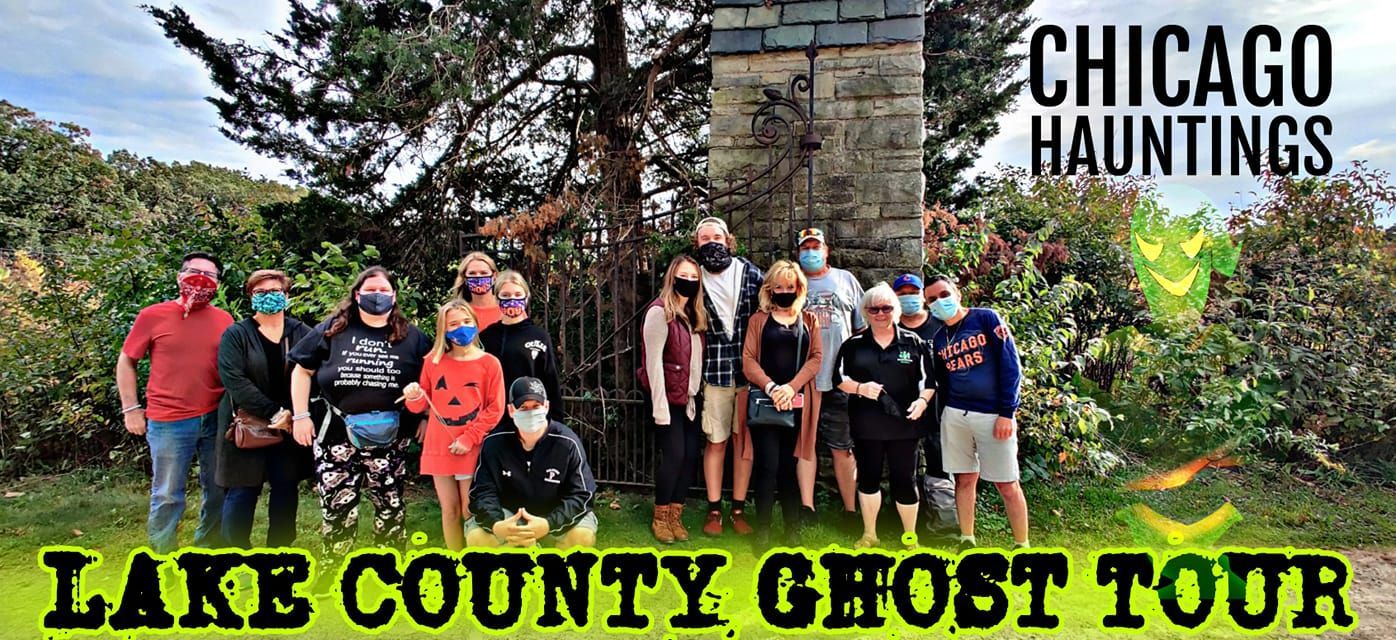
column 976, row 367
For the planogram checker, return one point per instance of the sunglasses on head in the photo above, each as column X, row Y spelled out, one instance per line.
column 878, row 311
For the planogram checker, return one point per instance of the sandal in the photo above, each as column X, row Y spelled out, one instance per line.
column 866, row 542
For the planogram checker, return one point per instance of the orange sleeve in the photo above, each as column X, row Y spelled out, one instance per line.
column 492, row 410
column 419, row 405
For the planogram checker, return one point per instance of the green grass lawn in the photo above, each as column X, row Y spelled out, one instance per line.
column 106, row 512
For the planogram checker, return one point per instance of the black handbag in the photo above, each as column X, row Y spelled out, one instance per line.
column 761, row 410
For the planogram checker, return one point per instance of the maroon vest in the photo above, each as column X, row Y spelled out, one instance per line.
column 677, row 351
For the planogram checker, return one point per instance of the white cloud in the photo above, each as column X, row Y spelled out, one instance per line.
column 108, row 67
column 1373, row 150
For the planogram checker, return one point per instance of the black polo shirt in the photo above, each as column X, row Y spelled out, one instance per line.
column 904, row 371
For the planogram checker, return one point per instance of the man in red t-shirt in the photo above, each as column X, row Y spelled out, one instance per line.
column 181, row 337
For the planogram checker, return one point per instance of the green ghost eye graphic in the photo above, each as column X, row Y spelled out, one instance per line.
column 1175, row 255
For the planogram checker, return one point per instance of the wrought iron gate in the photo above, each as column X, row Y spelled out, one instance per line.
column 597, row 281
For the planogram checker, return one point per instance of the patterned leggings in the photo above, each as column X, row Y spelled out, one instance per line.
column 343, row 473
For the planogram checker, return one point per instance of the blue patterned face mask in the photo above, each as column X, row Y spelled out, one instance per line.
column 269, row 302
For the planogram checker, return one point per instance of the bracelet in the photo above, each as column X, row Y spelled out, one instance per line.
column 300, row 416
column 131, row 408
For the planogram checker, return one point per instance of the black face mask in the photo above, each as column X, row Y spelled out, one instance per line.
column 784, row 300
column 714, row 257
column 686, row 288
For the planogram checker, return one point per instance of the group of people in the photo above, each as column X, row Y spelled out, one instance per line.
column 779, row 363
column 268, row 401
column 800, row 357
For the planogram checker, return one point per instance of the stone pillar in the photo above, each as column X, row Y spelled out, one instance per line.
column 868, row 185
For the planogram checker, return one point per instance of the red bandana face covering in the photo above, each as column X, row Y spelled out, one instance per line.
column 195, row 291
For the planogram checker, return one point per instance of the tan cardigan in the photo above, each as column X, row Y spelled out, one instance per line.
column 803, row 382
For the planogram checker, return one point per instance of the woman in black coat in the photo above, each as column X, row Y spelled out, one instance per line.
column 256, row 373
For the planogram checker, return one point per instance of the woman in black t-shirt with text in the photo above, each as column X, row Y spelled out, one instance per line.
column 361, row 358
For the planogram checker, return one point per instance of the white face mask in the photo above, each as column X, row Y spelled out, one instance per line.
column 531, row 421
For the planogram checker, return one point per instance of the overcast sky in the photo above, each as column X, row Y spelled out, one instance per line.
column 105, row 65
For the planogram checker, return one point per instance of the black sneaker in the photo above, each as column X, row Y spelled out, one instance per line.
column 851, row 523
column 807, row 518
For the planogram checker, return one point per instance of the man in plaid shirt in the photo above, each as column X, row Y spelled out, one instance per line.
column 730, row 286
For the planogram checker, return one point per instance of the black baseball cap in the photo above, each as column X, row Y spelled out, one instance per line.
column 525, row 389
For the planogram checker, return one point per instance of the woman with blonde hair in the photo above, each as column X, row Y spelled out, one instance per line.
column 781, row 356
column 475, row 283
column 671, row 354
column 525, row 349
column 462, row 392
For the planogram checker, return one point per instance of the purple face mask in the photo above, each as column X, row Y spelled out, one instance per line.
column 512, row 307
column 479, row 285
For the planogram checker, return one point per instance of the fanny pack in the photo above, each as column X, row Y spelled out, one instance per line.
column 371, row 430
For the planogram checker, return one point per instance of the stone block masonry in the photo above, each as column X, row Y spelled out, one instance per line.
column 868, row 184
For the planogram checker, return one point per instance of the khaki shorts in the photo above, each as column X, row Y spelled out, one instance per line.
column 719, row 412
column 968, row 445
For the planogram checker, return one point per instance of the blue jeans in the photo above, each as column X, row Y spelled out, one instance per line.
column 240, row 506
column 173, row 448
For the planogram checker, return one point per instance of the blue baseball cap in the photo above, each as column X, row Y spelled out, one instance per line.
column 907, row 279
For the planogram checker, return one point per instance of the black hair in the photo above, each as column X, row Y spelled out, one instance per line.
column 940, row 277
column 202, row 255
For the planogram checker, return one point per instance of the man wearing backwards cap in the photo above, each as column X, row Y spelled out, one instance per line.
column 834, row 296
column 731, row 286
column 532, row 481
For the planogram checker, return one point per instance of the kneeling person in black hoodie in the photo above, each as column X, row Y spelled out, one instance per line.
column 532, row 481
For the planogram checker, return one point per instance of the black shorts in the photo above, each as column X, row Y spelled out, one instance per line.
column 833, row 421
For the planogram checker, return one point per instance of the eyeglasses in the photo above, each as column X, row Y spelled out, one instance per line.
column 211, row 274
column 879, row 311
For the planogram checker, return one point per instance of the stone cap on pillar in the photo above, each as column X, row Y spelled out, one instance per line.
column 753, row 26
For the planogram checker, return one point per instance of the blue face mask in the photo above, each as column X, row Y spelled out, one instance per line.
column 462, row 335
column 269, row 302
column 811, row 260
column 911, row 304
column 944, row 308
column 376, row 304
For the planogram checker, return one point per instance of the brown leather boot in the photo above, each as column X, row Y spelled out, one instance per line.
column 713, row 526
column 739, row 523
column 676, row 522
column 660, row 525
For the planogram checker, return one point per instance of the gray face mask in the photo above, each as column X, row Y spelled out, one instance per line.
column 531, row 421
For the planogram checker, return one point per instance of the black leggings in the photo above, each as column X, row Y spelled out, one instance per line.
column 679, row 449
column 900, row 456
column 773, row 465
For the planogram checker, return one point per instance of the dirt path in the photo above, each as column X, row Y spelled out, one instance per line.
column 1373, row 593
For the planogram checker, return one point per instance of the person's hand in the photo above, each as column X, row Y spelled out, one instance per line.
column 537, row 526
column 784, row 397
column 509, row 530
column 281, row 421
column 413, row 392
column 458, row 449
column 870, row 390
column 692, row 409
column 135, row 421
column 303, row 431
column 918, row 407
column 1004, row 428
column 422, row 432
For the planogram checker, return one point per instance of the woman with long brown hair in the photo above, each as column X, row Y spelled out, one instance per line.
column 672, row 357
column 361, row 359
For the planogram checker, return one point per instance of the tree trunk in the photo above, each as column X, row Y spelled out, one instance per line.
column 621, row 190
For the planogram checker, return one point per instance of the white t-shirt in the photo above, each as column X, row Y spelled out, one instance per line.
column 723, row 289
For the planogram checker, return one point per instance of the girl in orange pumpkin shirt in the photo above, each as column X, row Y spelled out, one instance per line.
column 462, row 391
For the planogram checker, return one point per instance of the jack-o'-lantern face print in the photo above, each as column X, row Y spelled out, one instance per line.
column 463, row 401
